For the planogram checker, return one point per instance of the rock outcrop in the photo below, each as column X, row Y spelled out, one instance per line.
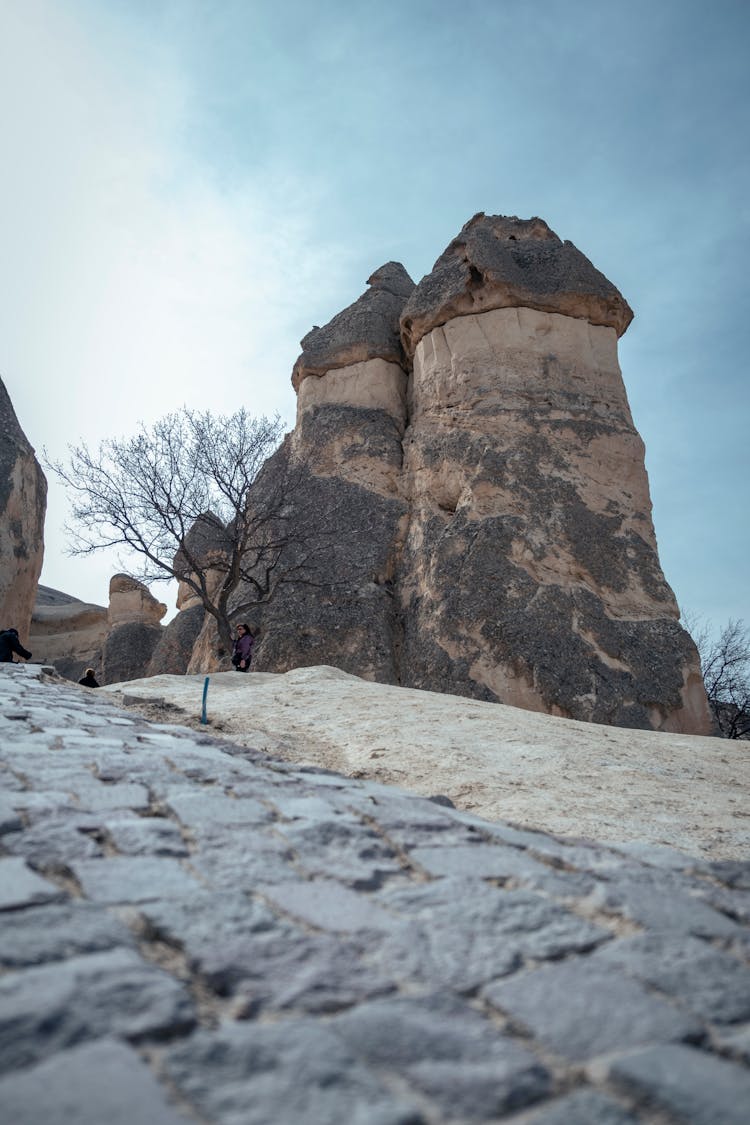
column 368, row 329
column 67, row 633
column 190, row 641
column 134, row 630
column 484, row 491
column 131, row 602
column 205, row 546
column 340, row 471
column 498, row 262
column 23, row 503
column 530, row 571
column 174, row 649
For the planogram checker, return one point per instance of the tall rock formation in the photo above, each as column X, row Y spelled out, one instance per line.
column 341, row 471
column 134, row 630
column 530, row 571
column 23, row 503
column 485, row 491
column 189, row 641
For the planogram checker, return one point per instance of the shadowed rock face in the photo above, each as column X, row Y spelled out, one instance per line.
column 174, row 647
column 343, row 612
column 493, row 533
column 206, row 543
column 23, row 503
column 128, row 650
column 206, row 538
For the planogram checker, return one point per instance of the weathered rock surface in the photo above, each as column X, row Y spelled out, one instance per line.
column 261, row 971
column 23, row 503
column 530, row 571
column 128, row 650
column 190, row 640
column 341, row 468
column 67, row 633
column 499, row 261
column 368, row 329
column 174, row 648
column 347, row 532
column 131, row 602
column 483, row 492
column 134, row 630
column 205, row 543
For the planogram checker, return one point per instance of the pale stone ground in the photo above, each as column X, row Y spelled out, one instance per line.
column 566, row 777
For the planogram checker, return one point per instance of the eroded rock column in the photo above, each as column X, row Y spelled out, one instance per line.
column 342, row 468
column 134, row 629
column 23, row 503
column 530, row 571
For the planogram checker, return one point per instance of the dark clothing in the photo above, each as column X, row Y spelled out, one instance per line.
column 243, row 651
column 88, row 681
column 9, row 643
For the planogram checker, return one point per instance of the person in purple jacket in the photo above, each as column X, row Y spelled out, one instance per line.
column 243, row 649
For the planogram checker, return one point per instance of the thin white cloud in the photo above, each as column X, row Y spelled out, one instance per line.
column 133, row 282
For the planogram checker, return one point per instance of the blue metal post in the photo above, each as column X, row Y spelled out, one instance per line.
column 204, row 718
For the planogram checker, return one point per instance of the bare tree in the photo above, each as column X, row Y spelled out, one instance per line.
column 725, row 664
column 184, row 495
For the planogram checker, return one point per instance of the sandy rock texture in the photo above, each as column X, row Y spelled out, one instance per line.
column 530, row 572
column 644, row 788
column 23, row 503
column 470, row 510
column 67, row 633
column 134, row 629
column 130, row 601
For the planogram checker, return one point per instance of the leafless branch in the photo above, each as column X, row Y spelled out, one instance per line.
column 182, row 497
column 725, row 664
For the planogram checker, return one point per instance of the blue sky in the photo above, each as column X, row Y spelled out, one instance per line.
column 188, row 186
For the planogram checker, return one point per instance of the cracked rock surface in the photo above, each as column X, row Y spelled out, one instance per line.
column 191, row 931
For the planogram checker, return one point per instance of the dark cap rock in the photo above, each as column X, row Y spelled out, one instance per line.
column 500, row 261
column 367, row 329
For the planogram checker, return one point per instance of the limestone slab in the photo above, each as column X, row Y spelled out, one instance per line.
column 295, row 1073
column 20, row 886
column 580, row 1012
column 46, row 1009
column 128, row 879
column 52, row 933
column 88, row 1085
column 699, row 1088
